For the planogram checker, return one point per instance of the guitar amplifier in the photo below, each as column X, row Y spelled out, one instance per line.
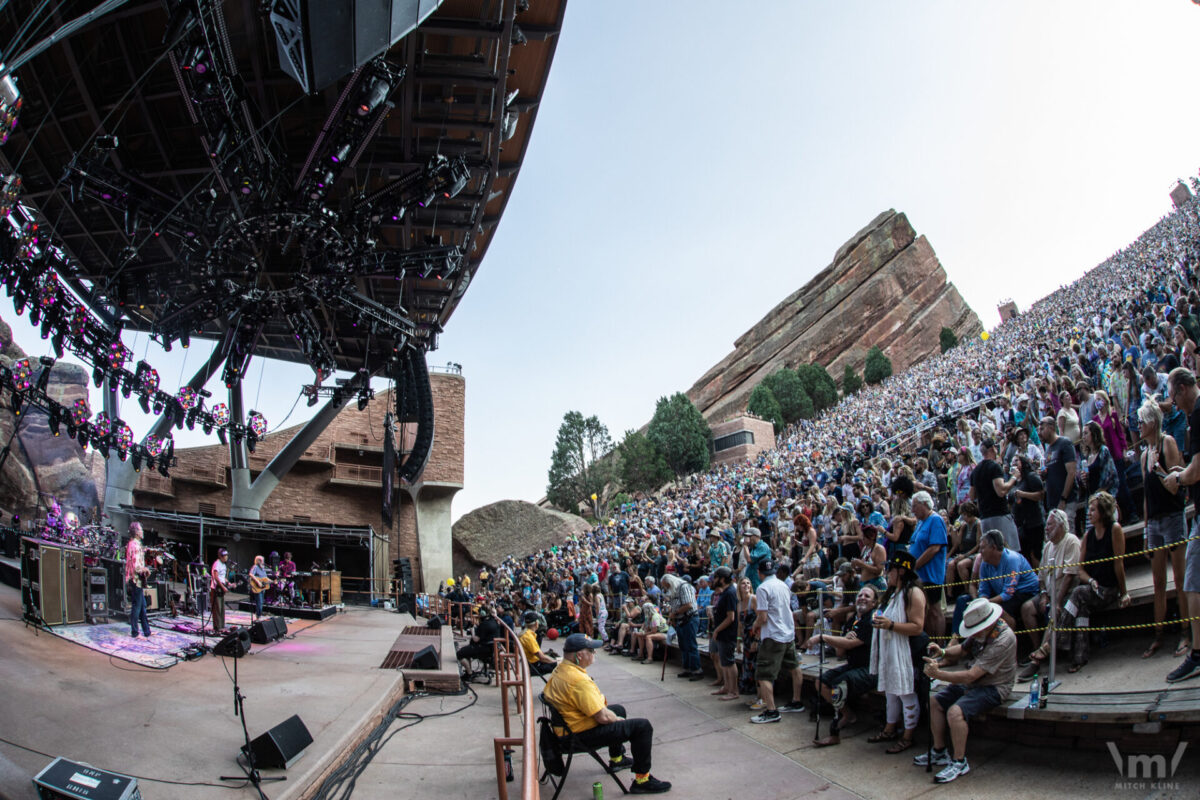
column 97, row 604
column 68, row 779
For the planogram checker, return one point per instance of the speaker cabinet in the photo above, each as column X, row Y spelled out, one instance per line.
column 268, row 629
column 426, row 658
column 321, row 41
column 74, row 576
column 235, row 645
column 52, row 582
column 279, row 747
column 97, row 599
column 407, row 604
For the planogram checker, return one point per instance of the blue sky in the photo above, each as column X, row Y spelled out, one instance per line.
column 692, row 164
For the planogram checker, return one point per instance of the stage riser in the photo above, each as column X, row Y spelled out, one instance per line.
column 290, row 611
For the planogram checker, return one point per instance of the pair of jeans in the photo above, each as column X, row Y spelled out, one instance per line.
column 258, row 604
column 638, row 732
column 137, row 609
column 689, row 651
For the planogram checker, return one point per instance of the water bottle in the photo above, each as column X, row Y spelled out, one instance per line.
column 1033, row 692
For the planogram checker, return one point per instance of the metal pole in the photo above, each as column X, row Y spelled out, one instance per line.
column 1052, row 621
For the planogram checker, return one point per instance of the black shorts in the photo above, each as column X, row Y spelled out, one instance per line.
column 724, row 648
column 933, row 593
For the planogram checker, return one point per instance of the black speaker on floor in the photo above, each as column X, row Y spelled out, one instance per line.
column 279, row 747
column 235, row 645
column 267, row 630
column 407, row 604
column 426, row 658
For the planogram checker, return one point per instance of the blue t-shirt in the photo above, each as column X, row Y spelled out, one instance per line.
column 999, row 580
column 760, row 552
column 930, row 531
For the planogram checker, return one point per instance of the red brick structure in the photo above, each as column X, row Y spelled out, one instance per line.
column 741, row 437
column 338, row 481
column 1008, row 310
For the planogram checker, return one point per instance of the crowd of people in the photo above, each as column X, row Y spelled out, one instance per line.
column 921, row 522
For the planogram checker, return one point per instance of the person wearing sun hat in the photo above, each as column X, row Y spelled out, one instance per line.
column 989, row 652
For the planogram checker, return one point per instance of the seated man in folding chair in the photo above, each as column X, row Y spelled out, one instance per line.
column 576, row 697
column 539, row 662
column 480, row 645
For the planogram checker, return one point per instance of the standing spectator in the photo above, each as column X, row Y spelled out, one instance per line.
column 989, row 490
column 990, row 647
column 682, row 614
column 1099, row 469
column 704, row 597
column 1114, row 437
column 777, row 644
column 725, row 633
column 1181, row 388
column 754, row 552
column 1166, row 527
column 964, row 545
column 718, row 550
column 1060, row 468
column 891, row 654
column 928, row 547
column 1027, row 510
column 1067, row 419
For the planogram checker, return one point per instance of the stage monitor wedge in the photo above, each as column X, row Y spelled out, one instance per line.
column 279, row 747
column 320, row 41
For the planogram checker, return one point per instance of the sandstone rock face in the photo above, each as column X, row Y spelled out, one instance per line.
column 39, row 462
column 885, row 287
column 490, row 533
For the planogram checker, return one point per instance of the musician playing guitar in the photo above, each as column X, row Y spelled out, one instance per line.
column 217, row 586
column 258, row 584
column 136, row 573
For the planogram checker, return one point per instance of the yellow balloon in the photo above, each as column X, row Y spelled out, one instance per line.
column 985, row 336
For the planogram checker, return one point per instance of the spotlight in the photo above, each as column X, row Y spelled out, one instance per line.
column 82, row 438
column 518, row 36
column 251, row 442
column 221, row 436
column 162, row 469
column 362, row 401
column 339, row 155
column 137, row 460
column 144, row 402
column 373, row 94
column 98, row 375
column 57, row 341
column 184, row 341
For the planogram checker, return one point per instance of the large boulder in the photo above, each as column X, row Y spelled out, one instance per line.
column 39, row 465
column 491, row 533
column 885, row 287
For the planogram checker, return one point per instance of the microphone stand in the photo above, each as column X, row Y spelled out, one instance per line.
column 239, row 710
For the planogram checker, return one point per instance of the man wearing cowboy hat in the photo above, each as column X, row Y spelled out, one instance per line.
column 990, row 650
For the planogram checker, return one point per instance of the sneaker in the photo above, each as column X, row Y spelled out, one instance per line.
column 757, row 705
column 1190, row 668
column 697, row 676
column 1028, row 671
column 955, row 769
column 651, row 785
column 765, row 717
column 941, row 758
column 793, row 707
column 687, row 673
column 618, row 764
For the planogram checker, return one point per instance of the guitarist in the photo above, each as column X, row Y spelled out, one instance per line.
column 217, row 586
column 136, row 572
column 259, row 582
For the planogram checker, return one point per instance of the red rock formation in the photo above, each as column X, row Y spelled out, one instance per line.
column 885, row 287
column 38, row 462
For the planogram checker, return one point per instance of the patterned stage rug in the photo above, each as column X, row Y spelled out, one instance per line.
column 184, row 623
column 158, row 652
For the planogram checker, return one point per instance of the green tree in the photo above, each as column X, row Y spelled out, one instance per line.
column 851, row 383
column 580, row 467
column 642, row 467
column 794, row 402
column 679, row 432
column 947, row 339
column 878, row 366
column 818, row 384
column 763, row 404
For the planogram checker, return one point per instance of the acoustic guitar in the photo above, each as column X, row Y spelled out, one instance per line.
column 258, row 585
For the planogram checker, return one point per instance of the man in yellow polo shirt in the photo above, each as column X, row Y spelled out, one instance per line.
column 595, row 723
column 539, row 662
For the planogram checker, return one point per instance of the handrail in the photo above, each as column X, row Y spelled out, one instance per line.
column 512, row 672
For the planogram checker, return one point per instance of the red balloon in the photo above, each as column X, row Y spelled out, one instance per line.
column 552, row 634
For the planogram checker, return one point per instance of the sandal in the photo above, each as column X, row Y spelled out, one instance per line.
column 902, row 744
column 1183, row 649
column 828, row 741
column 1153, row 648
column 1075, row 668
column 884, row 735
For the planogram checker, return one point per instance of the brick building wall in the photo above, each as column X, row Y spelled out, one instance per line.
column 338, row 481
column 762, row 431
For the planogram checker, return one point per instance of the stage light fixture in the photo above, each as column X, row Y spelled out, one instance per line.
column 362, row 400
column 162, row 469
column 339, row 155
column 82, row 438
column 221, row 436
column 251, row 442
column 144, row 402
column 184, row 341
column 98, row 375
column 136, row 458
column 44, row 376
column 57, row 342
column 55, row 418
column 80, row 413
column 257, row 423
column 18, row 400
column 373, row 94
